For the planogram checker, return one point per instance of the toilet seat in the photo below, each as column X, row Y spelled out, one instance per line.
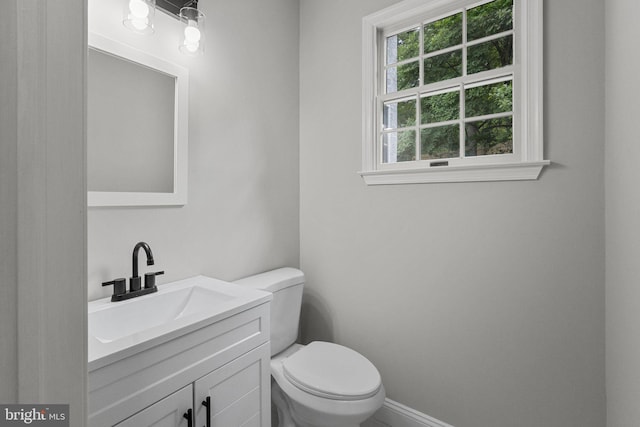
column 332, row 371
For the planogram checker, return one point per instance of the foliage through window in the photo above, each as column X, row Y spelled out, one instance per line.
column 461, row 67
column 449, row 90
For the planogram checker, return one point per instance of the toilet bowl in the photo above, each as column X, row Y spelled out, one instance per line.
column 324, row 384
column 321, row 384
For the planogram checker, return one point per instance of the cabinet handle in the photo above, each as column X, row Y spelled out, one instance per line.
column 188, row 416
column 207, row 404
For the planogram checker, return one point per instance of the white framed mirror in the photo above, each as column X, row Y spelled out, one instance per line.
column 137, row 127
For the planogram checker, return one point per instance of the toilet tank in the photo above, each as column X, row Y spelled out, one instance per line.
column 286, row 286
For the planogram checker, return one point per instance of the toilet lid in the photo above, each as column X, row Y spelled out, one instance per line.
column 332, row 371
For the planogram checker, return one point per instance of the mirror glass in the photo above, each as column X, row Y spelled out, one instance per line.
column 136, row 127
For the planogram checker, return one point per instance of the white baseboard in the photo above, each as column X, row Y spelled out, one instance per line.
column 394, row 414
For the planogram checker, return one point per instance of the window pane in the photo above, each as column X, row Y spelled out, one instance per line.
column 440, row 142
column 403, row 46
column 399, row 114
column 490, row 18
column 440, row 108
column 489, row 55
column 399, row 146
column 403, row 77
column 487, row 137
column 443, row 67
column 443, row 33
column 489, row 99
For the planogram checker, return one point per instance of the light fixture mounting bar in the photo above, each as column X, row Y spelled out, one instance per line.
column 172, row 7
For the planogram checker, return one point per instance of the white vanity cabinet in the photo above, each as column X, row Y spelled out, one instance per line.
column 225, row 363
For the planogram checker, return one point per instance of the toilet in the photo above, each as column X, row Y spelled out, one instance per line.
column 321, row 384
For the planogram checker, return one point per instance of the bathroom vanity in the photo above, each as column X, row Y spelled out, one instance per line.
column 196, row 351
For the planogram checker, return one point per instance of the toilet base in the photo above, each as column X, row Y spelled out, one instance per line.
column 282, row 407
column 286, row 417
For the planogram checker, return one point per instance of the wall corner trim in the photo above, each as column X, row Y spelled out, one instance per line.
column 394, row 414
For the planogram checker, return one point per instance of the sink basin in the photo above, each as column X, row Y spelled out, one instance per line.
column 120, row 320
column 120, row 329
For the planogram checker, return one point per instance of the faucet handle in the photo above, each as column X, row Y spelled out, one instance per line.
column 150, row 279
column 119, row 286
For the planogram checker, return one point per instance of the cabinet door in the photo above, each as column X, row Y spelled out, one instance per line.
column 239, row 392
column 168, row 412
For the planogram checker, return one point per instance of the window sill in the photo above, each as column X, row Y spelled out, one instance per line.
column 495, row 172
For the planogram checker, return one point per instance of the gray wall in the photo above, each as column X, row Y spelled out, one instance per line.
column 622, row 218
column 242, row 213
column 482, row 304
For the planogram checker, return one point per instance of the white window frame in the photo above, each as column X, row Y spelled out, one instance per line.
column 527, row 159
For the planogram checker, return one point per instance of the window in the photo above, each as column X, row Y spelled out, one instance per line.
column 453, row 92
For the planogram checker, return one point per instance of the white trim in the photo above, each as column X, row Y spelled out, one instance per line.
column 531, row 75
column 181, row 135
column 394, row 414
column 527, row 159
column 369, row 83
column 51, row 216
column 520, row 171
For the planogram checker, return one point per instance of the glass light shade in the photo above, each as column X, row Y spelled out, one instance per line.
column 138, row 15
column 192, row 38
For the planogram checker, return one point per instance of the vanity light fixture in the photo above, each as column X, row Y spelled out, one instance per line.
column 193, row 35
column 138, row 16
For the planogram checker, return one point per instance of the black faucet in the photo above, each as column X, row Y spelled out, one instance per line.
column 119, row 288
column 134, row 281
